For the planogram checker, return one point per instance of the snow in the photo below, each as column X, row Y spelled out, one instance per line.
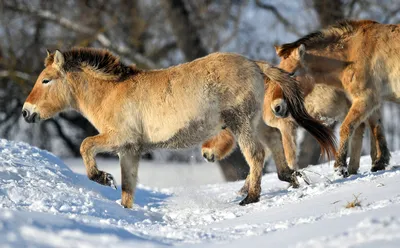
column 45, row 204
column 158, row 174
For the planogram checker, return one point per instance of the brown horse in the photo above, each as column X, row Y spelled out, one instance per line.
column 136, row 110
column 360, row 57
column 325, row 103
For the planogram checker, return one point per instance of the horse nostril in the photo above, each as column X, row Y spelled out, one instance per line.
column 33, row 117
column 277, row 109
column 25, row 113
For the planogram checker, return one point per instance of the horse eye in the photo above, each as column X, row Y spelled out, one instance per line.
column 45, row 81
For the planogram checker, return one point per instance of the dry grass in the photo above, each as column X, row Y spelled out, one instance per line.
column 354, row 203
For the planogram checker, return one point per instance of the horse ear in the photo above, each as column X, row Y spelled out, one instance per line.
column 58, row 59
column 278, row 49
column 301, row 50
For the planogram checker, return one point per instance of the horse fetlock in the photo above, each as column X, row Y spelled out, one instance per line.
column 244, row 190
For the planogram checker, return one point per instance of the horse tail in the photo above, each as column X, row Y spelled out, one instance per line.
column 293, row 96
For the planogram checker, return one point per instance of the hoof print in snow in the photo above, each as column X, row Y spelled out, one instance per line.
column 249, row 200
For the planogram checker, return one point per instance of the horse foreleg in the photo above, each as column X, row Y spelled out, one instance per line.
column 288, row 132
column 379, row 146
column 129, row 162
column 219, row 146
column 89, row 148
column 271, row 137
column 355, row 149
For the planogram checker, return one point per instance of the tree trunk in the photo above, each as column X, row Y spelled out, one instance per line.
column 328, row 11
column 187, row 35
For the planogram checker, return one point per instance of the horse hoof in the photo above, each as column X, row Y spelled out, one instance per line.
column 249, row 200
column 294, row 183
column 378, row 165
column 342, row 171
column 110, row 180
column 209, row 157
column 353, row 172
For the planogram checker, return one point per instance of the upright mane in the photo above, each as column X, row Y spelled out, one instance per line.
column 330, row 34
column 99, row 62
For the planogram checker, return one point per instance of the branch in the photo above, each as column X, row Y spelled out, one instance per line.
column 79, row 28
column 19, row 74
column 390, row 15
column 71, row 145
column 235, row 31
column 160, row 53
column 351, row 8
column 279, row 16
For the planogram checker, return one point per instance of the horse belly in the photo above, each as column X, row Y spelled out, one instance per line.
column 192, row 134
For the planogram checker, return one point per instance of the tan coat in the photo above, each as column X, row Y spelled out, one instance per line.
column 177, row 107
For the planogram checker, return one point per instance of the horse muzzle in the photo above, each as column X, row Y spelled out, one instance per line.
column 29, row 116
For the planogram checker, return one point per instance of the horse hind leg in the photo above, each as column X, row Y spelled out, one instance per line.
column 254, row 154
column 379, row 146
column 272, row 139
column 359, row 111
column 355, row 149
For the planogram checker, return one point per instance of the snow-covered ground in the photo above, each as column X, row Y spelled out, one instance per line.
column 158, row 175
column 45, row 204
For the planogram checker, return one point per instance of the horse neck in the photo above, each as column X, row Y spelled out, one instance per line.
column 89, row 92
column 326, row 66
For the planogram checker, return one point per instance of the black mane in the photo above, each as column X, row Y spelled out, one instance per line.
column 100, row 60
column 330, row 34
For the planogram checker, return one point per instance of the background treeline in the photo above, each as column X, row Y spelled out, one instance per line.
column 155, row 34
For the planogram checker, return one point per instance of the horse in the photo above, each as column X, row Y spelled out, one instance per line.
column 138, row 110
column 221, row 145
column 324, row 103
column 359, row 57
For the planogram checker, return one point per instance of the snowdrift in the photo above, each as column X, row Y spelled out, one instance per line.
column 44, row 204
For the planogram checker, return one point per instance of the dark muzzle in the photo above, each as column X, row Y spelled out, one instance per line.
column 29, row 117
